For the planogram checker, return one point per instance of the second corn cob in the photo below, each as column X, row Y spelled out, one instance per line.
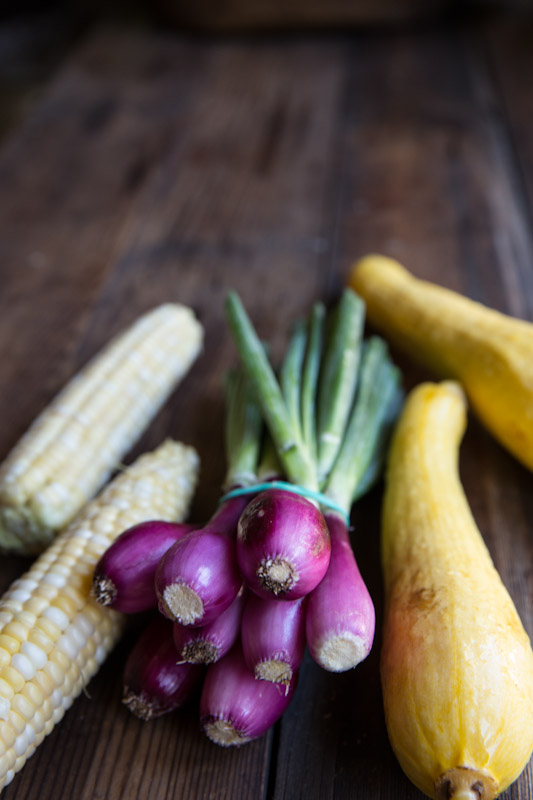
column 53, row 635
column 74, row 445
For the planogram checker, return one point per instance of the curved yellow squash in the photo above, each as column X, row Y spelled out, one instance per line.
column 490, row 353
column 457, row 664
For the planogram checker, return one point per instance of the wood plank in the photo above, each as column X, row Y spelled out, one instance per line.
column 32, row 47
column 160, row 169
column 506, row 41
column 426, row 179
column 70, row 179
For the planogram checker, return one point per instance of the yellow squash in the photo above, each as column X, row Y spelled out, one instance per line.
column 456, row 664
column 489, row 352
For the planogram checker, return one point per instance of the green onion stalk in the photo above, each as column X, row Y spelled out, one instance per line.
column 330, row 417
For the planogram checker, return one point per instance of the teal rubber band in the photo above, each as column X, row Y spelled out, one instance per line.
column 320, row 498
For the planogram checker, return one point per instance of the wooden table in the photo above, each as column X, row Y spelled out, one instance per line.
column 161, row 167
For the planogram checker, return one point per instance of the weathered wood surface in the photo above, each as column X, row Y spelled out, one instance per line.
column 161, row 168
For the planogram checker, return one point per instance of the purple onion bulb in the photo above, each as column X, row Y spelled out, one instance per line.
column 283, row 545
column 273, row 637
column 211, row 642
column 340, row 616
column 124, row 576
column 236, row 708
column 198, row 577
column 154, row 684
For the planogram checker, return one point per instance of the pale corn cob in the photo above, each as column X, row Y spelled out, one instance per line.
column 53, row 635
column 74, row 445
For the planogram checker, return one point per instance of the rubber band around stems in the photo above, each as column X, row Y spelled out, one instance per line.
column 309, row 494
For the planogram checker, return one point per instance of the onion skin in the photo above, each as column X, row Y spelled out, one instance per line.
column 154, row 684
column 210, row 643
column 273, row 637
column 198, row 577
column 124, row 576
column 340, row 619
column 283, row 545
column 236, row 708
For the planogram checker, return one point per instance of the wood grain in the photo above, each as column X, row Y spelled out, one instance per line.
column 507, row 49
column 159, row 167
column 165, row 170
column 424, row 179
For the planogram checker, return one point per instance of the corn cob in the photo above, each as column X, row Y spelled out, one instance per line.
column 71, row 449
column 53, row 635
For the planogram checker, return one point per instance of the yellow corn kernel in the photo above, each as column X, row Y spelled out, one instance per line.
column 12, row 677
column 23, row 706
column 33, row 694
column 9, row 644
column 6, row 692
column 7, row 734
column 75, row 444
column 51, row 663
column 42, row 681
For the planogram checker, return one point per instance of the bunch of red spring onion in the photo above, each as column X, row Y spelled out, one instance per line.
column 273, row 569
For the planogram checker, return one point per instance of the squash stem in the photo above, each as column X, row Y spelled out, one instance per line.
column 465, row 794
column 465, row 783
